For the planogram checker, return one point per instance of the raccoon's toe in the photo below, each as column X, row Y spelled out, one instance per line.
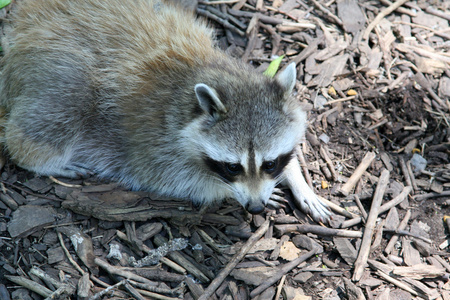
column 255, row 208
column 319, row 211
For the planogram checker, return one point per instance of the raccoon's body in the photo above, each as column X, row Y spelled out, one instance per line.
column 136, row 91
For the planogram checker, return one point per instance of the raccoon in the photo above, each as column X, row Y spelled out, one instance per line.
column 136, row 91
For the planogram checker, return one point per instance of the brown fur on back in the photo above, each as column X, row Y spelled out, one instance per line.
column 111, row 86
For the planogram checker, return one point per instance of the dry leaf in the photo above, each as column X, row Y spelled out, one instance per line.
column 288, row 251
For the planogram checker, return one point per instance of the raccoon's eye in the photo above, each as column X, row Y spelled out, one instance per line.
column 233, row 169
column 269, row 166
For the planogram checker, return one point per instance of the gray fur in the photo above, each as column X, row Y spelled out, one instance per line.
column 142, row 97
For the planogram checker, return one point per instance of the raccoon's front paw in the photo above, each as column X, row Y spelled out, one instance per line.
column 312, row 205
column 304, row 197
column 277, row 201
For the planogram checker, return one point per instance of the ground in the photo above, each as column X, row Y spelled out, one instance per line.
column 381, row 89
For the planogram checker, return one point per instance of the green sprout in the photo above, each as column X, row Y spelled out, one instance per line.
column 273, row 67
column 3, row 3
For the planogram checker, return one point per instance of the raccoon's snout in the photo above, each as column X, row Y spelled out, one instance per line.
column 255, row 208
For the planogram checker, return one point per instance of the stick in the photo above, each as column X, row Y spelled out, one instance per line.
column 411, row 175
column 30, row 284
column 366, row 161
column 381, row 15
column 361, row 207
column 133, row 291
column 328, row 13
column 316, row 229
column 431, row 195
column 338, row 209
column 108, row 289
column 280, row 286
column 283, row 270
column 125, row 274
column 394, row 238
column 69, row 257
column 396, row 282
column 234, row 261
column 324, row 153
column 405, row 171
column 400, row 9
column 438, row 13
column 364, row 251
column 384, row 208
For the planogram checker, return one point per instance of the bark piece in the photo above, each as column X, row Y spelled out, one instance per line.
column 29, row 218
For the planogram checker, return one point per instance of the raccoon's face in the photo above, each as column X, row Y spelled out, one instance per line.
column 248, row 137
column 251, row 176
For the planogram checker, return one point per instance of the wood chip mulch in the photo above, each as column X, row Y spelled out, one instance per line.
column 375, row 77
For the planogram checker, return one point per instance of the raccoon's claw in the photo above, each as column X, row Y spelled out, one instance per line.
column 314, row 207
column 275, row 204
column 276, row 201
column 304, row 197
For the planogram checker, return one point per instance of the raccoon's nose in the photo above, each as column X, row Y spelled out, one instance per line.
column 255, row 208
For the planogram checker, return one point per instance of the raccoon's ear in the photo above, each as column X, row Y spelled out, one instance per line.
column 287, row 78
column 209, row 102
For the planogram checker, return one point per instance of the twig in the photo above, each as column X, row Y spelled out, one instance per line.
column 30, row 284
column 381, row 15
column 337, row 209
column 407, row 233
column 262, row 18
column 108, row 289
column 370, row 224
column 423, row 82
column 441, row 14
column 235, row 260
column 282, row 270
column 63, row 183
column 360, row 206
column 275, row 37
column 328, row 13
column 316, row 229
column 385, row 207
column 351, row 182
column 405, row 171
column 156, row 296
column 444, row 263
column 59, row 285
column 69, row 257
column 395, row 237
column 396, row 282
column 65, row 290
column 324, row 153
column 133, row 291
column 280, row 287
column 411, row 175
column 219, row 2
column 312, row 47
column 195, row 288
column 400, row 9
column 435, row 32
column 117, row 271
column 430, row 195
column 339, row 100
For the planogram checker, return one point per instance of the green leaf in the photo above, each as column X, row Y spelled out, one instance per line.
column 3, row 3
column 273, row 67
